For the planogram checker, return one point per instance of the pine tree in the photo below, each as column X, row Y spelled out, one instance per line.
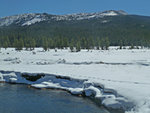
column 120, row 44
column 65, row 42
column 21, row 44
column 71, row 47
column 97, row 43
column 102, row 43
column 87, row 44
column 131, row 47
column 18, row 44
column 107, row 43
column 32, row 44
column 78, row 47
column 0, row 45
column 5, row 45
column 45, row 44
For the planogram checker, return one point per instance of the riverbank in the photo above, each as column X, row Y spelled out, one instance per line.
column 79, row 87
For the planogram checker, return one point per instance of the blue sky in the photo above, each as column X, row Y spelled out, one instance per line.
column 11, row 7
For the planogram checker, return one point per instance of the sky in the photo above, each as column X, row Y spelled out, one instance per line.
column 12, row 7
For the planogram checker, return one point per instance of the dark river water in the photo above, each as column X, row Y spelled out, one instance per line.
column 21, row 99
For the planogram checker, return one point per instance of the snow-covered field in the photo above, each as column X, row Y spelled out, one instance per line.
column 119, row 78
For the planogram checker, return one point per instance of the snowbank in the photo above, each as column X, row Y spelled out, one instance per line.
column 107, row 97
column 126, row 71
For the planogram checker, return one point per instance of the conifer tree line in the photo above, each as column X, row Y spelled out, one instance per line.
column 75, row 44
column 51, row 43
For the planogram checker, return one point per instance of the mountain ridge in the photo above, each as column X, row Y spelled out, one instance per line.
column 32, row 18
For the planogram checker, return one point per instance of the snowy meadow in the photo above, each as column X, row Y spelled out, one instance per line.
column 119, row 79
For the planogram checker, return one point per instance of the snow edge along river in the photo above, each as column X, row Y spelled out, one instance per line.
column 107, row 97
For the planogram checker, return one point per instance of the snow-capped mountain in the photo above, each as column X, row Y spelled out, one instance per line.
column 23, row 19
column 82, row 16
column 29, row 19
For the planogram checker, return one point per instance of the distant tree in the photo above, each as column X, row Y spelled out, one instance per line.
column 87, row 44
column 6, row 40
column 20, row 44
column 32, row 44
column 50, row 44
column 0, row 45
column 107, row 43
column 5, row 45
column 78, row 47
column 131, row 47
column 45, row 44
column 91, row 42
column 71, row 47
column 120, row 44
column 65, row 42
column 137, row 47
column 97, row 43
column 102, row 44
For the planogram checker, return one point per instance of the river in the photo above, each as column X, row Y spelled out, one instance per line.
column 17, row 98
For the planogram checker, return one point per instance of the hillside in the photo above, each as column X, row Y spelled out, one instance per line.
column 117, row 26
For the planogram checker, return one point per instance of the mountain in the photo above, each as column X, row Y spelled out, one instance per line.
column 29, row 19
column 117, row 26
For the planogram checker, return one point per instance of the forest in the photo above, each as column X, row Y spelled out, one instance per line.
column 119, row 31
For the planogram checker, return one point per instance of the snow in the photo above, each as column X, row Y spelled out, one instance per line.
column 119, row 78
column 105, row 21
column 5, row 21
column 1, row 77
column 91, row 90
column 33, row 21
column 22, row 19
column 82, row 16
column 111, row 13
